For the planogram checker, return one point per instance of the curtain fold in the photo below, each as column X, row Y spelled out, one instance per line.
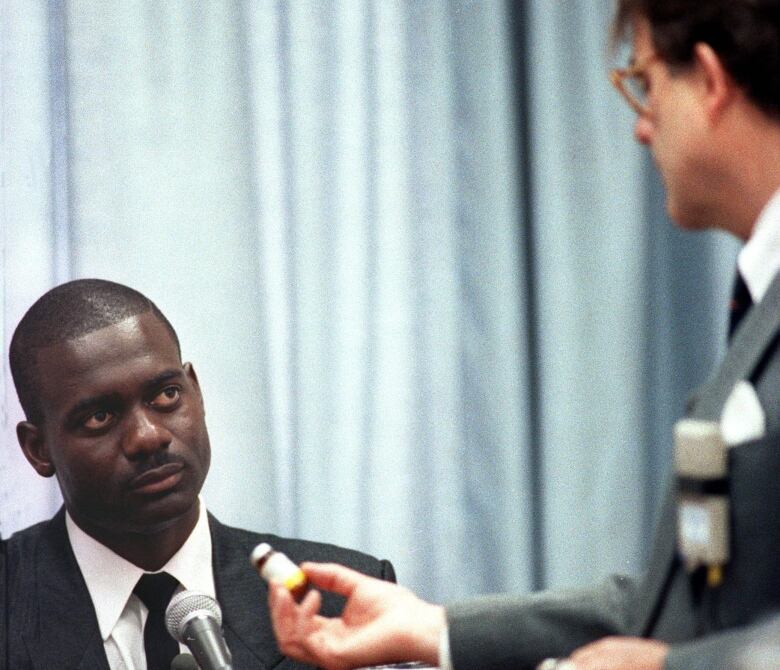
column 34, row 249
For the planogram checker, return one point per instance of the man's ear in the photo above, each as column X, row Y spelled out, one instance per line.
column 33, row 445
column 189, row 370
column 719, row 88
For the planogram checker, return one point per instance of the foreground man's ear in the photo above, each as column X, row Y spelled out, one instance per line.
column 33, row 445
column 189, row 370
column 719, row 87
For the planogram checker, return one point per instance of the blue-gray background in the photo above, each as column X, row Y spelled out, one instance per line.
column 421, row 267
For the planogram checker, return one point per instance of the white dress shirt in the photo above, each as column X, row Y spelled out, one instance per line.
column 111, row 579
column 759, row 259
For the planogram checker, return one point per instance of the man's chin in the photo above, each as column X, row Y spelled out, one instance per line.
column 160, row 515
column 686, row 218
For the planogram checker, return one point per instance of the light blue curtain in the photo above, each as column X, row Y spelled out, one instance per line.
column 629, row 312
column 420, row 265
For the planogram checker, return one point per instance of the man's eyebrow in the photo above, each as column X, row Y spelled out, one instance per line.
column 165, row 376
column 88, row 403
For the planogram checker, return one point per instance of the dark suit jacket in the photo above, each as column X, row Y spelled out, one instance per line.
column 51, row 623
column 666, row 603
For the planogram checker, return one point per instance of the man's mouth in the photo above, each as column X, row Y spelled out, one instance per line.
column 157, row 479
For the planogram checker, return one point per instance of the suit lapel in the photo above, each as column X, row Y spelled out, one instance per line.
column 242, row 596
column 747, row 349
column 67, row 634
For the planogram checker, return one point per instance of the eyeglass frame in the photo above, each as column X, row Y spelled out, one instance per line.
column 618, row 76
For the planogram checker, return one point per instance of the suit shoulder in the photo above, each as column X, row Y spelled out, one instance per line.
column 307, row 550
column 18, row 564
column 21, row 543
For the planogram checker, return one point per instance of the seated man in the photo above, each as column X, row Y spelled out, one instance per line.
column 119, row 420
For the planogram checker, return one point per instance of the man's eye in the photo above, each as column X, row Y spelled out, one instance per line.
column 168, row 397
column 98, row 420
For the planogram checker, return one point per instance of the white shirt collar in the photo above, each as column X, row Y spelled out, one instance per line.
column 111, row 579
column 759, row 259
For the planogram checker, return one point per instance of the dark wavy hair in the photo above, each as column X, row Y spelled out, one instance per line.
column 64, row 313
column 744, row 33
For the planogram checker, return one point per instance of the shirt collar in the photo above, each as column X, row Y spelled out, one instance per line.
column 759, row 259
column 111, row 579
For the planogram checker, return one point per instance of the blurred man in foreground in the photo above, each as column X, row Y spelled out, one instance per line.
column 704, row 81
column 118, row 419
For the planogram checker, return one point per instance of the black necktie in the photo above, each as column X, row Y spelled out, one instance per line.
column 155, row 591
column 741, row 302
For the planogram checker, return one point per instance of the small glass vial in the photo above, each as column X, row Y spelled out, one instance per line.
column 277, row 567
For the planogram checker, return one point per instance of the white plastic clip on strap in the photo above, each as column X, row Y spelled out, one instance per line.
column 701, row 466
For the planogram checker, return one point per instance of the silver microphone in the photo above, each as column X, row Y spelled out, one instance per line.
column 195, row 619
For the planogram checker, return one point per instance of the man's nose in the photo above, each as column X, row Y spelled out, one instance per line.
column 643, row 130
column 145, row 434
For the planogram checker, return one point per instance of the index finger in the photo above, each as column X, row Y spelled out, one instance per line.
column 334, row 577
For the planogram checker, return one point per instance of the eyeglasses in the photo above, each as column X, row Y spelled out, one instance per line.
column 631, row 83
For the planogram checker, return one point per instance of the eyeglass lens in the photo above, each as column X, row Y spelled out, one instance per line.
column 637, row 88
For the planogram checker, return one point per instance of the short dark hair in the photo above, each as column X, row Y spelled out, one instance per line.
column 66, row 312
column 744, row 33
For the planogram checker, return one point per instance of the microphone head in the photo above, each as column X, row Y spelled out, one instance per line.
column 185, row 606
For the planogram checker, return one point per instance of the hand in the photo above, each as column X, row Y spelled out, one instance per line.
column 381, row 622
column 620, row 653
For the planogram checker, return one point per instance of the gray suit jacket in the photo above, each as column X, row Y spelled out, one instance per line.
column 665, row 603
column 50, row 622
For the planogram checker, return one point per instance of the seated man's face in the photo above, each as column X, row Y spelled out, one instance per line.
column 124, row 427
